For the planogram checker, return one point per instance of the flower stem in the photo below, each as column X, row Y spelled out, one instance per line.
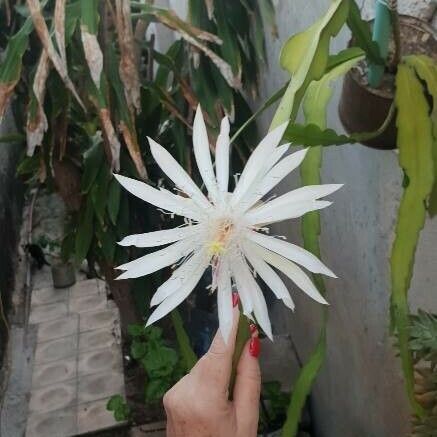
column 243, row 334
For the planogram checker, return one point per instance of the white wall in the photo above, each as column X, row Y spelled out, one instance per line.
column 359, row 392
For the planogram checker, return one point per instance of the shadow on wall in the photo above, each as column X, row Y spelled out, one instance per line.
column 11, row 202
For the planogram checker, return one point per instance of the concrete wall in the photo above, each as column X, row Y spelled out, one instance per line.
column 359, row 392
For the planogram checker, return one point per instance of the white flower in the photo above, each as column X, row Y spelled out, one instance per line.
column 227, row 231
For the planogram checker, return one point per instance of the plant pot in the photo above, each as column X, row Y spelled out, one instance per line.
column 364, row 109
column 63, row 275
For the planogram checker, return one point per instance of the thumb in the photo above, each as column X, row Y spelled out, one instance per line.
column 247, row 389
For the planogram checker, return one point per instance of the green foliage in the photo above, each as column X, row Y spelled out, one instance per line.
column 415, row 143
column 362, row 35
column 119, row 407
column 188, row 356
column 274, row 402
column 162, row 363
column 305, row 56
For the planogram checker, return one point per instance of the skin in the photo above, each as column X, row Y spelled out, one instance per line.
column 199, row 406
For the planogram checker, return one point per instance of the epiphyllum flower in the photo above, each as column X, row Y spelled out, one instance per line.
column 227, row 231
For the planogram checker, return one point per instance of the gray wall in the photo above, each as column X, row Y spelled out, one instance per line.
column 359, row 392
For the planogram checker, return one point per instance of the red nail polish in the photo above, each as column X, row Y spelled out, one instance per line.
column 253, row 328
column 235, row 299
column 254, row 347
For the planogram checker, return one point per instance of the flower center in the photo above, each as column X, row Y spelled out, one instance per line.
column 221, row 237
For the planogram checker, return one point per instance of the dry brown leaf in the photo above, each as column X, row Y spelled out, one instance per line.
column 43, row 34
column 60, row 28
column 93, row 55
column 134, row 150
column 210, row 8
column 128, row 64
column 111, row 138
column 224, row 68
column 36, row 126
column 6, row 91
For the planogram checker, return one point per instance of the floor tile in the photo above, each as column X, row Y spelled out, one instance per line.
column 97, row 339
column 102, row 360
column 47, row 312
column 55, row 350
column 99, row 386
column 97, row 319
column 53, row 397
column 84, row 288
column 55, row 371
column 93, row 416
column 49, row 295
column 59, row 423
column 58, row 328
column 92, row 302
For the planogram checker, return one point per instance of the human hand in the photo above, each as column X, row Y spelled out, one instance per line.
column 199, row 406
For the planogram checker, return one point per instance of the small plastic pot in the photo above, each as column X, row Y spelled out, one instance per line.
column 63, row 274
column 364, row 109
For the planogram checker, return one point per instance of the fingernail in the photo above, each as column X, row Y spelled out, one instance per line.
column 253, row 328
column 235, row 299
column 254, row 347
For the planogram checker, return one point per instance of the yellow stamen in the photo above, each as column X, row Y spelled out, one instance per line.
column 216, row 248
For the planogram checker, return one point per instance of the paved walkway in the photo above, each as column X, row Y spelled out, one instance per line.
column 77, row 361
column 66, row 363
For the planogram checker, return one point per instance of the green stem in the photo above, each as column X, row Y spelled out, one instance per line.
column 188, row 355
column 243, row 334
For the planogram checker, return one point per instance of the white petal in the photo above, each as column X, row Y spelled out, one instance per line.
column 222, row 156
column 291, row 252
column 296, row 274
column 179, row 276
column 240, row 271
column 156, row 260
column 276, row 155
column 265, row 214
column 203, row 155
column 260, row 309
column 175, row 299
column 256, row 162
column 273, row 177
column 159, row 238
column 177, row 174
column 224, row 301
column 269, row 276
column 160, row 198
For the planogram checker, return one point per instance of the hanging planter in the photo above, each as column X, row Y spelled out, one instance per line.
column 363, row 108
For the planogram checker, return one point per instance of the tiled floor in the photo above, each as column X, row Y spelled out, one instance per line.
column 77, row 362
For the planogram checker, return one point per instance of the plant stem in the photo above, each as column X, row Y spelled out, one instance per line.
column 243, row 335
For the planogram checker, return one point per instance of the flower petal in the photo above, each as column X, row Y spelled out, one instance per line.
column 265, row 215
column 296, row 274
column 179, row 276
column 260, row 309
column 203, row 155
column 160, row 198
column 175, row 299
column 177, row 174
column 269, row 276
column 156, row 260
column 273, row 177
column 255, row 164
column 159, row 238
column 291, row 252
column 224, row 301
column 222, row 156
column 240, row 271
column 292, row 204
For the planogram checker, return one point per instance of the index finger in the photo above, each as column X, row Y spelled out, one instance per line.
column 214, row 368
